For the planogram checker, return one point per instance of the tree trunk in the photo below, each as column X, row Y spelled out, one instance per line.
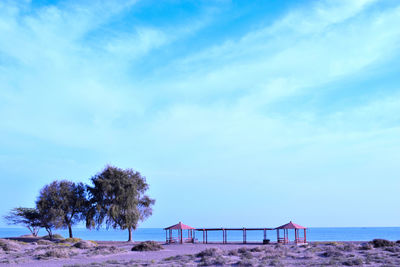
column 50, row 233
column 130, row 234
column 70, row 231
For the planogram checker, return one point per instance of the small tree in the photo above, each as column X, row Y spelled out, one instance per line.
column 118, row 198
column 62, row 204
column 28, row 217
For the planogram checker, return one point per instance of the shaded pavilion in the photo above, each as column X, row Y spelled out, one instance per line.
column 169, row 238
column 286, row 227
column 225, row 233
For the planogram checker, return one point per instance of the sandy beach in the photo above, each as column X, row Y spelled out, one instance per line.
column 40, row 252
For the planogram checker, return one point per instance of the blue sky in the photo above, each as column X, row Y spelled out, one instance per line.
column 239, row 113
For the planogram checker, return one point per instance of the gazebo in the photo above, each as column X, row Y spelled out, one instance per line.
column 285, row 228
column 179, row 227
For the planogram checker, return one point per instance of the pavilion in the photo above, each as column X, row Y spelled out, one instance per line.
column 285, row 228
column 179, row 227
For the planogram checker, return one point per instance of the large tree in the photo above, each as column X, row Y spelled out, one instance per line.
column 28, row 217
column 118, row 198
column 62, row 204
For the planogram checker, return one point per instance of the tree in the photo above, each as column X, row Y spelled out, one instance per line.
column 62, row 204
column 118, row 198
column 28, row 217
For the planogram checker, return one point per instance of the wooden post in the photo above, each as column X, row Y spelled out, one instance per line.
column 181, row 237
column 206, row 237
column 277, row 235
column 305, row 238
column 265, row 234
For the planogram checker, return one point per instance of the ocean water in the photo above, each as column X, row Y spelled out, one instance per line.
column 158, row 234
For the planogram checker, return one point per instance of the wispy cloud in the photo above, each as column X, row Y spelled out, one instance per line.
column 280, row 103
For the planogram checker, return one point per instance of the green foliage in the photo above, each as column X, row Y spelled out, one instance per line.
column 62, row 204
column 28, row 217
column 118, row 199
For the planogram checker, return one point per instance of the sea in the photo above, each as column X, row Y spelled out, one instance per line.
column 158, row 234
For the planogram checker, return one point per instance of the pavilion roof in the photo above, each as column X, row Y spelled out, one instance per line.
column 291, row 225
column 179, row 226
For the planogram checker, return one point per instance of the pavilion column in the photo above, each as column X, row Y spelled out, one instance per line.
column 206, row 237
column 305, row 238
column 265, row 234
column 277, row 235
column 287, row 235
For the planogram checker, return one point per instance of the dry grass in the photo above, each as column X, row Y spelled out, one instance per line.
column 314, row 254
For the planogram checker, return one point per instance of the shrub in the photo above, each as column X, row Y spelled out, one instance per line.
column 147, row 246
column 9, row 245
column 210, row 261
column 392, row 249
column 55, row 236
column 72, row 240
column 351, row 262
column 366, row 246
column 256, row 249
column 242, row 250
column 44, row 242
column 54, row 253
column 245, row 262
column 246, row 255
column 84, row 244
column 331, row 253
column 210, row 252
column 233, row 252
column 379, row 243
column 104, row 250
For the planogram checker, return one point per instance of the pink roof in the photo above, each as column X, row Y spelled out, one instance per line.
column 291, row 225
column 179, row 226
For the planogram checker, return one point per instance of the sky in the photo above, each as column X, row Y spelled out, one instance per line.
column 238, row 113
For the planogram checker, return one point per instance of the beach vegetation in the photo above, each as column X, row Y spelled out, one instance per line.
column 72, row 240
column 245, row 262
column 209, row 252
column 27, row 217
column 63, row 203
column 118, row 199
column 57, row 237
column 378, row 243
column 44, row 242
column 54, row 253
column 366, row 246
column 9, row 245
column 84, row 244
column 353, row 262
column 147, row 246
